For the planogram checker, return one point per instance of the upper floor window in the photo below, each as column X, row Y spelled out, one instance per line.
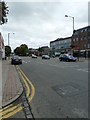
column 81, row 38
column 88, row 45
column 81, row 31
column 85, row 45
column 85, row 29
column 88, row 37
column 84, row 37
column 77, row 39
column 88, row 29
column 73, row 39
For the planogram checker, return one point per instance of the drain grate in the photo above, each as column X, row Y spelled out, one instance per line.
column 68, row 89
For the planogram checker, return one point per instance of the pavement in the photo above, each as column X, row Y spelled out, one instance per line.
column 11, row 85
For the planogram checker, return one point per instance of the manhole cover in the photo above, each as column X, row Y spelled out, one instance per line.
column 68, row 89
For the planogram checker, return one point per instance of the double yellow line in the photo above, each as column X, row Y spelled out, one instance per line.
column 11, row 109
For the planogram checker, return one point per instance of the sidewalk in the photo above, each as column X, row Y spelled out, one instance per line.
column 11, row 85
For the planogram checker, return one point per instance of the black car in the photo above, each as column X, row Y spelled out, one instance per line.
column 16, row 60
column 66, row 57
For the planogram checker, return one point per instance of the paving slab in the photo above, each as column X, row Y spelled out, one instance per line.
column 11, row 85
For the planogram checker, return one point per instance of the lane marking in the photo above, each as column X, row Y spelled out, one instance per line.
column 10, row 109
column 6, row 107
column 7, row 112
column 13, row 112
column 83, row 69
column 28, row 89
column 32, row 87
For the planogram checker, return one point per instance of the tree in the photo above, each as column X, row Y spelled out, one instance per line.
column 3, row 12
column 7, row 51
column 17, row 51
column 22, row 50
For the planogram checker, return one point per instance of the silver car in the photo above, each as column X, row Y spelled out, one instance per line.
column 45, row 57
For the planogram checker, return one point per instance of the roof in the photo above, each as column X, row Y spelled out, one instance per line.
column 60, row 39
column 82, row 28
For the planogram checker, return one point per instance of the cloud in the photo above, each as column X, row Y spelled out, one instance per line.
column 38, row 23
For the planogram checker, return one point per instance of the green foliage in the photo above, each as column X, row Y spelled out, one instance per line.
column 7, row 50
column 22, row 50
column 3, row 12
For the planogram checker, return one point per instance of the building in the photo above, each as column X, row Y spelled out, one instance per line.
column 61, row 45
column 81, row 41
column 2, row 47
column 89, row 13
column 45, row 50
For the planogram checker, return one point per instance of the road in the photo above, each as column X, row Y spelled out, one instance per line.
column 61, row 88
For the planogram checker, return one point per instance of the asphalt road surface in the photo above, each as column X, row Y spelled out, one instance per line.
column 61, row 88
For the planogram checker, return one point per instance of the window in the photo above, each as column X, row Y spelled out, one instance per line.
column 88, row 37
column 88, row 45
column 81, row 38
column 81, row 46
column 81, row 31
column 73, row 39
column 85, row 29
column 77, row 39
column 85, row 45
column 88, row 29
column 84, row 37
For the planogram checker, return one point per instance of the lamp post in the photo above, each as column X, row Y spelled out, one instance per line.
column 72, row 18
column 9, row 38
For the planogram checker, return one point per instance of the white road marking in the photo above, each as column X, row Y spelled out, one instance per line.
column 83, row 69
column 70, row 66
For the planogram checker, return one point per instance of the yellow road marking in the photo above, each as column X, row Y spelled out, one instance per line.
column 10, row 109
column 28, row 89
column 6, row 107
column 13, row 112
column 19, row 108
column 33, row 89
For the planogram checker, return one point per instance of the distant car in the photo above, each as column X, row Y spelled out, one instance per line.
column 34, row 56
column 53, row 56
column 45, row 57
column 16, row 60
column 66, row 57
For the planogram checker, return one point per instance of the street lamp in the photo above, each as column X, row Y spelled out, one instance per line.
column 9, row 38
column 72, row 18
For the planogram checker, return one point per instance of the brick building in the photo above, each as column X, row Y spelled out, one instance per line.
column 2, row 47
column 81, row 40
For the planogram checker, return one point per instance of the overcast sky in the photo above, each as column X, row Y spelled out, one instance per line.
column 37, row 23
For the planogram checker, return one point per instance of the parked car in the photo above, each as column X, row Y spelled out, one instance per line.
column 66, row 57
column 45, row 57
column 53, row 56
column 16, row 60
column 34, row 56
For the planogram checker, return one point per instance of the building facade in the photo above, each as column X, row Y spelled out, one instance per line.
column 81, row 40
column 61, row 44
column 2, row 48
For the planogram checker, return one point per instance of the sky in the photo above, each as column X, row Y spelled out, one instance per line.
column 37, row 22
